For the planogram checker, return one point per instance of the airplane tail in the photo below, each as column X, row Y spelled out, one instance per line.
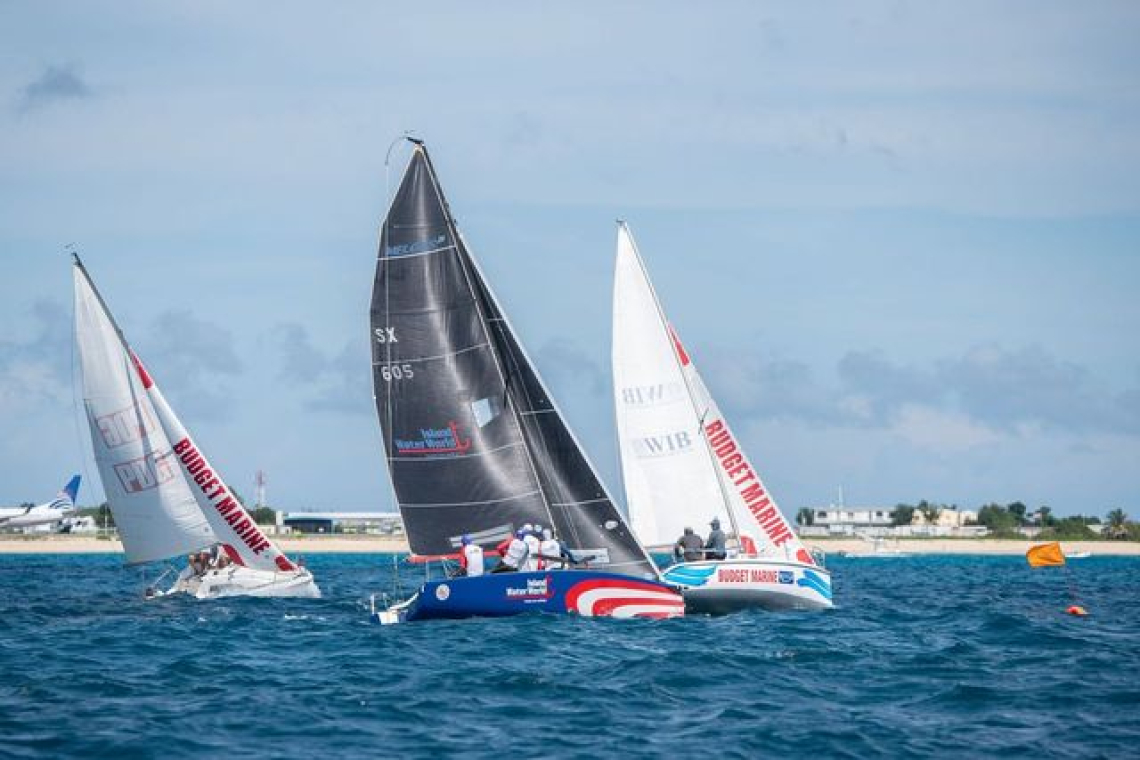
column 66, row 497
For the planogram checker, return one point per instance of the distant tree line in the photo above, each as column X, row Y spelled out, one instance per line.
column 1003, row 521
column 104, row 517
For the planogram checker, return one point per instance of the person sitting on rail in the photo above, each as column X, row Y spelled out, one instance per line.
column 515, row 555
column 533, row 551
column 688, row 547
column 552, row 552
column 716, row 545
column 470, row 558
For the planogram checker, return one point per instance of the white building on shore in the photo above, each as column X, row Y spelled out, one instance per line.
column 841, row 520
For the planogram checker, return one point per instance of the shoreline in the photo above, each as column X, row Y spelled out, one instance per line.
column 66, row 544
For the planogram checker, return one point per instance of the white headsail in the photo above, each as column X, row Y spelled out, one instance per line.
column 668, row 473
column 239, row 534
column 154, row 510
column 681, row 462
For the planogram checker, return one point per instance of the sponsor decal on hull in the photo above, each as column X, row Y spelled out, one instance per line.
column 610, row 597
column 687, row 575
column 536, row 590
column 817, row 583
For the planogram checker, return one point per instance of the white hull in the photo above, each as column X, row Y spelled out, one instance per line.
column 719, row 587
column 243, row 581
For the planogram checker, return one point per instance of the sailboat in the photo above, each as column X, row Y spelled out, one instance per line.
column 682, row 466
column 166, row 497
column 474, row 443
column 879, row 549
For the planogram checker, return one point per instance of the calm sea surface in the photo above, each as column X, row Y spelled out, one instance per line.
column 931, row 656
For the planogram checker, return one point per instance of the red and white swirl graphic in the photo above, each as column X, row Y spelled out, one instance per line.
column 608, row 597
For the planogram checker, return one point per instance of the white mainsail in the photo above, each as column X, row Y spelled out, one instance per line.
column 155, row 512
column 681, row 463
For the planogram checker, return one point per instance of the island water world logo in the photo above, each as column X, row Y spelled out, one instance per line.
column 442, row 441
column 536, row 589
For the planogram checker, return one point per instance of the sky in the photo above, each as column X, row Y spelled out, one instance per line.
column 901, row 240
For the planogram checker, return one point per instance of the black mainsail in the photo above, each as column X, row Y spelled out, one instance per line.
column 473, row 440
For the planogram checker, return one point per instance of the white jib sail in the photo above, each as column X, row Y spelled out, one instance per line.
column 680, row 460
column 239, row 535
column 670, row 483
column 155, row 512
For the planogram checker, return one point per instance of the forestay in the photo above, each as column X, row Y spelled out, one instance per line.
column 474, row 443
column 155, row 512
column 723, row 479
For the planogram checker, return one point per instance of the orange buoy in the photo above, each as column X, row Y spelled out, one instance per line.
column 1077, row 610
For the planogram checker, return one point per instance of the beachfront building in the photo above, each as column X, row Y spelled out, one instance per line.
column 371, row 523
column 879, row 521
column 842, row 520
column 947, row 518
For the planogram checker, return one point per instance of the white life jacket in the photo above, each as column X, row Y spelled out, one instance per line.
column 516, row 553
column 474, row 555
column 551, row 550
column 533, row 549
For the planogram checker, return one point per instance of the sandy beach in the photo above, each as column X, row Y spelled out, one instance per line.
column 64, row 544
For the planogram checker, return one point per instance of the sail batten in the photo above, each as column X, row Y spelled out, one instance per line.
column 471, row 437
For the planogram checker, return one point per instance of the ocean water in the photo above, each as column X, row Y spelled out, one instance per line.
column 928, row 656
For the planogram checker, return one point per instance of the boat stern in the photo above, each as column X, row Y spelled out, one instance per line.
column 724, row 586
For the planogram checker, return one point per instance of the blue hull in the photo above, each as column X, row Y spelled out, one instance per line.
column 561, row 592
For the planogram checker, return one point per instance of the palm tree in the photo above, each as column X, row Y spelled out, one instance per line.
column 805, row 516
column 930, row 512
column 1116, row 522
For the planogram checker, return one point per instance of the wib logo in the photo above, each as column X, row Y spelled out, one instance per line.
column 663, row 445
column 125, row 425
column 145, row 472
column 652, row 395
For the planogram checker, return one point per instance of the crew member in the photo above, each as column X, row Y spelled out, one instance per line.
column 533, row 551
column 471, row 558
column 688, row 547
column 715, row 545
column 551, row 550
column 515, row 555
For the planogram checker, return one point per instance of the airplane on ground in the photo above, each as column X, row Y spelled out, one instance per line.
column 62, row 506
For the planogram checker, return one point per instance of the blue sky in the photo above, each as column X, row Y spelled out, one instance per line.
column 901, row 240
